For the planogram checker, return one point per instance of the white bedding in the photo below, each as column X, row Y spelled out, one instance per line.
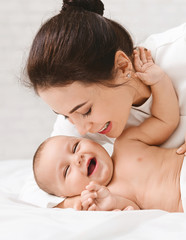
column 23, row 221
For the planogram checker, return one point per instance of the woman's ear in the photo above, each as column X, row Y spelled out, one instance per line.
column 122, row 62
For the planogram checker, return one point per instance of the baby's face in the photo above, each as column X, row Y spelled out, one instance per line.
column 68, row 164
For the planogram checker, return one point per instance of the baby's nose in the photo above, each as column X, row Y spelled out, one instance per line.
column 78, row 159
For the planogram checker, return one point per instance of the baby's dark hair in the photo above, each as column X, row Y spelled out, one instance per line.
column 78, row 44
column 36, row 161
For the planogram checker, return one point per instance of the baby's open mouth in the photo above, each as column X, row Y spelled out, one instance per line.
column 91, row 166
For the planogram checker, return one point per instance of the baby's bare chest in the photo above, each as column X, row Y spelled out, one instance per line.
column 147, row 177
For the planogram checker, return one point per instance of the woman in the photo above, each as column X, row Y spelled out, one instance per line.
column 81, row 65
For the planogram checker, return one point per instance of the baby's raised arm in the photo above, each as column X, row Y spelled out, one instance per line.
column 165, row 108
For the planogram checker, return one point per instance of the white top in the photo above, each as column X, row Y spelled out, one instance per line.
column 169, row 52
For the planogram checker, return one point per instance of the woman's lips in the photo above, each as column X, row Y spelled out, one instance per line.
column 106, row 128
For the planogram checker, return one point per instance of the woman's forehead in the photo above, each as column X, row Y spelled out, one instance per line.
column 63, row 99
column 73, row 87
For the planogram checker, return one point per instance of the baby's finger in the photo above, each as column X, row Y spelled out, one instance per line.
column 103, row 192
column 78, row 206
column 86, row 204
column 129, row 208
column 137, row 62
column 143, row 55
column 149, row 56
column 93, row 186
column 85, row 197
column 85, row 192
column 92, row 208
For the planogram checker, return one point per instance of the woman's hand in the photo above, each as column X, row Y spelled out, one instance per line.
column 71, row 202
column 182, row 148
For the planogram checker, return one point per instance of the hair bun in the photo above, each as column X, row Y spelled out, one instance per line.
column 95, row 6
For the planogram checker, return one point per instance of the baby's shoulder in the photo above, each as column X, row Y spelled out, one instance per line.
column 128, row 143
column 128, row 135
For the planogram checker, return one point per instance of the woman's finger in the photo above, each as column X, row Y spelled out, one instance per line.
column 182, row 149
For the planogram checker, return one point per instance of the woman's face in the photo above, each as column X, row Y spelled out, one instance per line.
column 94, row 108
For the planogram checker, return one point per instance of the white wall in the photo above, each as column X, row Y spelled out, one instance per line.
column 25, row 120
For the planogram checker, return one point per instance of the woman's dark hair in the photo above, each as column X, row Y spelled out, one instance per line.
column 78, row 44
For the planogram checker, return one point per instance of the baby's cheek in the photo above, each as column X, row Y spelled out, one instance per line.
column 81, row 184
column 107, row 176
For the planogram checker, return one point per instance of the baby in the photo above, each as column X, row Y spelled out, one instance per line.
column 138, row 174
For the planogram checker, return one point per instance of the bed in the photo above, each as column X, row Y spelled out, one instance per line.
column 25, row 221
column 21, row 220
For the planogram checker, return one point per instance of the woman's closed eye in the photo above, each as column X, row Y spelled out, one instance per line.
column 87, row 113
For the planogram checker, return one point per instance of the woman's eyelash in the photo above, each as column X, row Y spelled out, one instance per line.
column 66, row 170
column 75, row 147
column 87, row 113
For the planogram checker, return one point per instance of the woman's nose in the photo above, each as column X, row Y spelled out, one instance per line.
column 84, row 128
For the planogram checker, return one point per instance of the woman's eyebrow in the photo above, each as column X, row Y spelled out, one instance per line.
column 77, row 107
column 74, row 109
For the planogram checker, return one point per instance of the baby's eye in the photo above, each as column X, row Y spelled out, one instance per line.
column 75, row 147
column 66, row 170
column 87, row 113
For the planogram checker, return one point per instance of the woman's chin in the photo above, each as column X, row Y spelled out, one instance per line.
column 115, row 134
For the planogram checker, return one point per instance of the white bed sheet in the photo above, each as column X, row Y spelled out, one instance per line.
column 23, row 221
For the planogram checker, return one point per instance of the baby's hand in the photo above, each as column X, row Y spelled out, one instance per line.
column 146, row 70
column 97, row 198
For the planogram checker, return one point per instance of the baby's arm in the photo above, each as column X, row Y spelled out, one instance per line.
column 99, row 198
column 71, row 202
column 165, row 108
